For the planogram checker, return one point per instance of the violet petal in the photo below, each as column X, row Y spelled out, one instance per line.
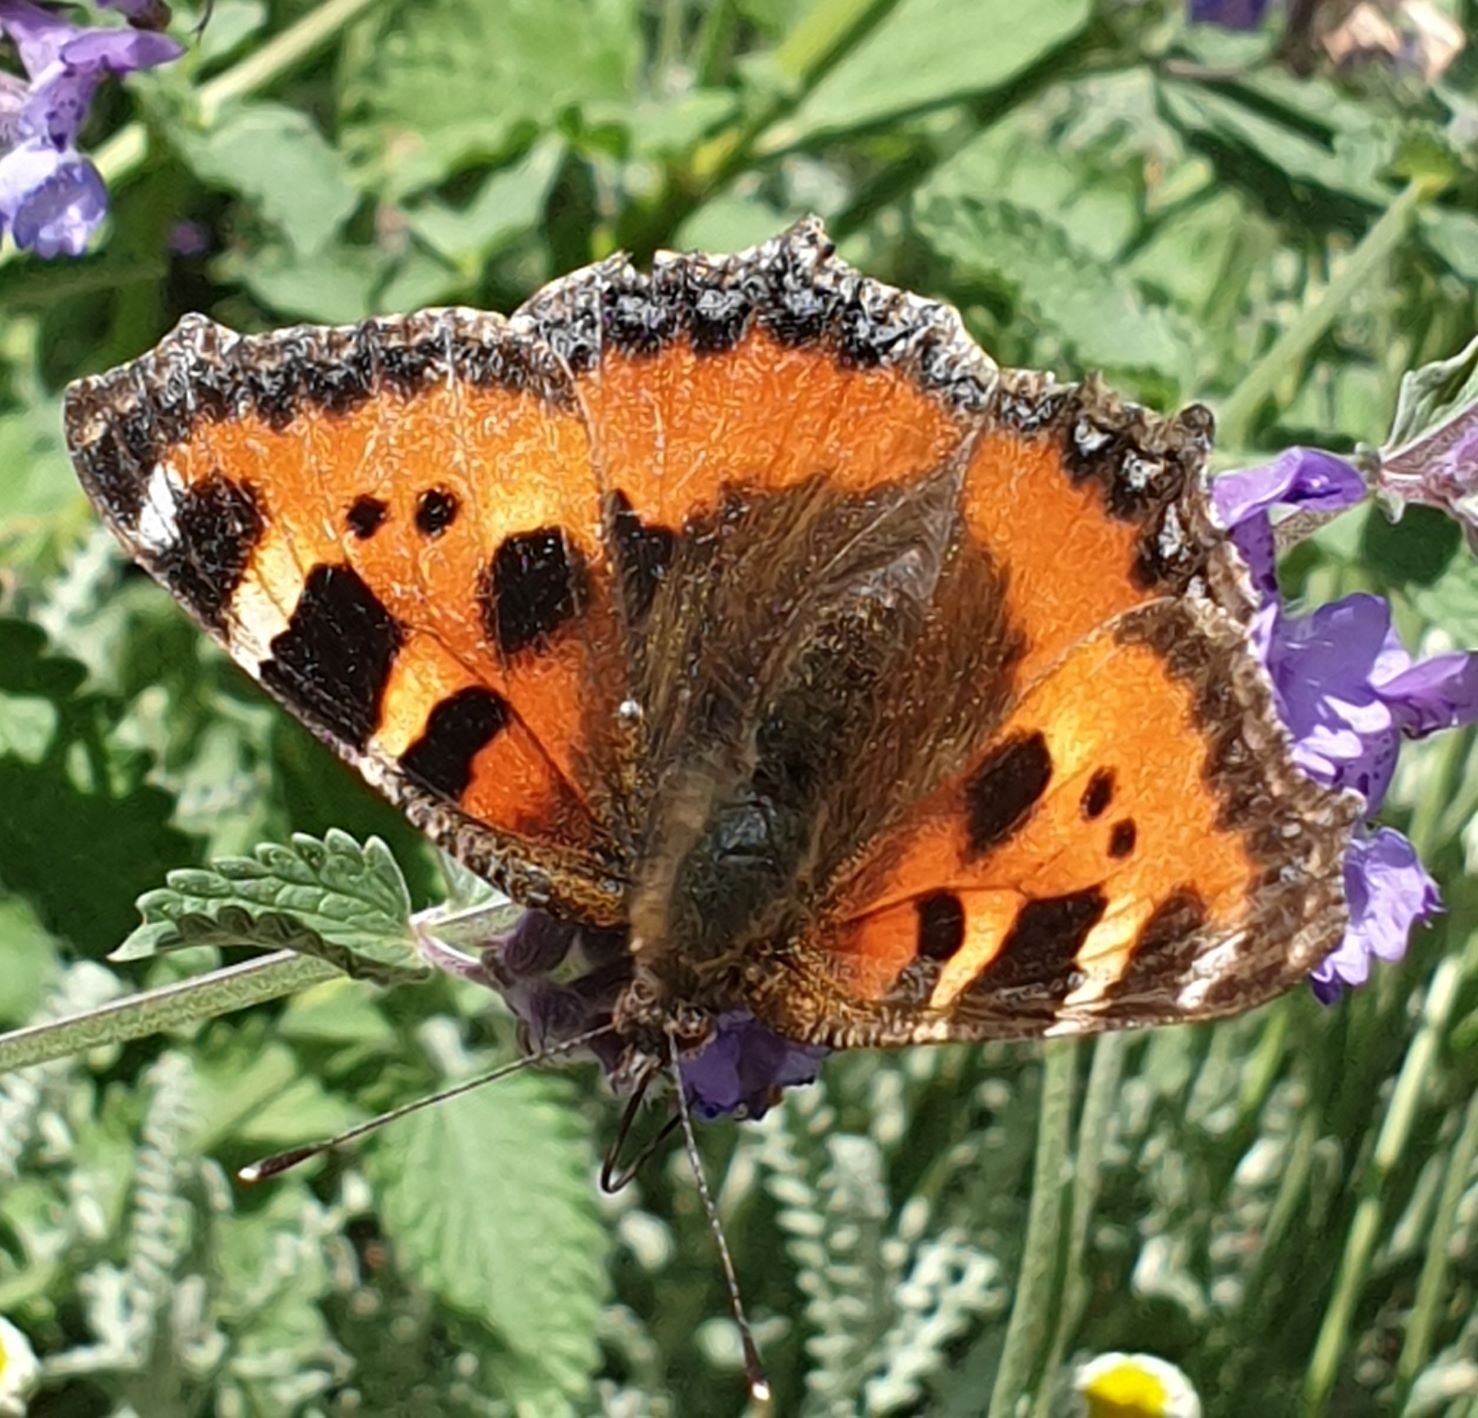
column 743, row 1067
column 39, row 34
column 51, row 201
column 1390, row 892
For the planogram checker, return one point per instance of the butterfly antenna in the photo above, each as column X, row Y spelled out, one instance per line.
column 282, row 1161
column 754, row 1367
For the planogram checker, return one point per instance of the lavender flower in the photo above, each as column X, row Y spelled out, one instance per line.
column 51, row 197
column 1349, row 693
column 563, row 980
column 1228, row 14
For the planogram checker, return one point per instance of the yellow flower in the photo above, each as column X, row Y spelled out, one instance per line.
column 18, row 1369
column 1135, row 1386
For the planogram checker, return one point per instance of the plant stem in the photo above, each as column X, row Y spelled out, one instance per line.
column 1235, row 416
column 187, row 1002
column 1100, row 1099
column 1037, row 1279
column 1329, row 1347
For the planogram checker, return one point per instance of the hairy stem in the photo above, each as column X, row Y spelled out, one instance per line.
column 221, row 991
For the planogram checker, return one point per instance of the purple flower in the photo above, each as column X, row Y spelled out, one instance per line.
column 51, row 197
column 1348, row 692
column 1389, row 893
column 51, row 200
column 1228, row 14
column 744, row 1067
column 562, row 980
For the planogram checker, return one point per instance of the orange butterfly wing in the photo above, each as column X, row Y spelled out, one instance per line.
column 1133, row 843
column 394, row 528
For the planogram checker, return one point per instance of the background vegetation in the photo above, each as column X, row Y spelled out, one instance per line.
column 1286, row 1205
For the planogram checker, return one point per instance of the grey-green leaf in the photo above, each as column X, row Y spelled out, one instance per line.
column 332, row 899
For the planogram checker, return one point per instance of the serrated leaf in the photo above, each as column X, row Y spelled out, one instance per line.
column 1346, row 164
column 928, row 52
column 277, row 160
column 1089, row 305
column 332, row 899
column 470, row 76
column 489, row 1202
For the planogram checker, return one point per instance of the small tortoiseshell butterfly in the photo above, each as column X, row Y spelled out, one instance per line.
column 747, row 606
column 746, row 618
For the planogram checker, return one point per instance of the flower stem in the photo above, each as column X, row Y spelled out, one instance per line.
column 1234, row 417
column 1329, row 1347
column 1100, row 1100
column 187, row 1002
column 1037, row 1280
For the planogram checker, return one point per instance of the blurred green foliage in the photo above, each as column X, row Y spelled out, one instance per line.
column 1286, row 1205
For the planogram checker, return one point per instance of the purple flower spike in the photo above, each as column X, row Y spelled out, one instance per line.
column 51, row 197
column 744, row 1067
column 52, row 201
column 1228, row 14
column 562, row 980
column 1348, row 692
column 1390, row 893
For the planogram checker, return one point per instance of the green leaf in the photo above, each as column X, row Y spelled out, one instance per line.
column 1087, row 304
column 335, row 900
column 334, row 286
column 489, row 1202
column 1432, row 399
column 925, row 53
column 1346, row 163
column 508, row 204
column 1453, row 236
column 469, row 78
column 93, row 831
column 277, row 160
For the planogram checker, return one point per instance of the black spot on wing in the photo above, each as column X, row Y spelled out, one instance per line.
column 1162, row 952
column 365, row 517
column 1098, row 794
column 1005, row 788
column 456, row 731
column 533, row 585
column 643, row 554
column 1122, row 839
column 332, row 661
column 436, row 510
column 1040, row 948
column 941, row 925
column 219, row 523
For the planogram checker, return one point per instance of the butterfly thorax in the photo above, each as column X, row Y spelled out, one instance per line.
column 807, row 706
